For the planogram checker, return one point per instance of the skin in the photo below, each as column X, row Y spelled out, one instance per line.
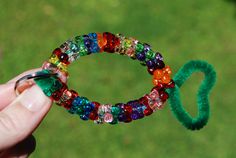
column 19, row 117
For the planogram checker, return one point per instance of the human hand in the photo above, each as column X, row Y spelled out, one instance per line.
column 19, row 117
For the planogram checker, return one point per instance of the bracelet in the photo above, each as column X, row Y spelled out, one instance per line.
column 54, row 74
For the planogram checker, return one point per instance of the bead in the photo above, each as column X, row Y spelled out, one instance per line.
column 57, row 94
column 163, row 96
column 57, row 52
column 84, row 117
column 93, row 115
column 101, row 41
column 108, row 117
column 141, row 56
column 167, row 70
column 158, row 74
column 148, row 111
column 154, row 94
column 128, row 108
column 139, row 47
column 112, row 42
column 64, row 58
column 158, row 56
column 159, row 64
column 166, row 78
column 135, row 115
column 150, row 64
column 155, row 81
column 54, row 59
column 150, row 55
column 115, row 110
column 171, row 84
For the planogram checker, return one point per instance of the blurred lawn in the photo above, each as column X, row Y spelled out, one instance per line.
column 182, row 30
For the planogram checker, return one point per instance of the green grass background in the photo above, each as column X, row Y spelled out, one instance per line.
column 182, row 30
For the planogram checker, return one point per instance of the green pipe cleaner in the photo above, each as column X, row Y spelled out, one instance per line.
column 202, row 96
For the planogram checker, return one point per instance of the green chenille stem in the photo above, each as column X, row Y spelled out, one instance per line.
column 202, row 96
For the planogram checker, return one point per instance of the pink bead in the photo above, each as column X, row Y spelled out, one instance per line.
column 156, row 105
column 108, row 117
column 154, row 94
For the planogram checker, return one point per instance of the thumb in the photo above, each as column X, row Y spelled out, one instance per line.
column 19, row 119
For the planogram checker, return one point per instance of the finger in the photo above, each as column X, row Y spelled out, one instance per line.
column 23, row 74
column 23, row 149
column 7, row 94
column 22, row 116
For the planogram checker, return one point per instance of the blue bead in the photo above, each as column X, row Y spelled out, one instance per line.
column 122, row 117
column 92, row 35
column 150, row 64
column 84, row 117
column 73, row 110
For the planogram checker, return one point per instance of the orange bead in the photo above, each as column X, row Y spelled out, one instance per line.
column 167, row 69
column 101, row 41
column 166, row 79
column 155, row 81
column 158, row 74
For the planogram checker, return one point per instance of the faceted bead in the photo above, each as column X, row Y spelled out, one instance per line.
column 101, row 41
column 62, row 67
column 163, row 95
column 171, row 84
column 158, row 56
column 96, row 105
column 150, row 55
column 150, row 64
column 167, row 70
column 121, row 117
column 139, row 47
column 141, row 56
column 158, row 74
column 93, row 116
column 154, row 94
column 155, row 81
column 112, row 42
column 148, row 111
column 147, row 47
column 84, row 117
column 127, row 118
column 64, row 58
column 115, row 110
column 115, row 121
column 150, row 71
column 159, row 64
column 158, row 86
column 135, row 115
column 144, row 100
column 166, row 78
column 54, row 59
column 57, row 94
column 128, row 108
column 108, row 117
column 156, row 105
column 57, row 52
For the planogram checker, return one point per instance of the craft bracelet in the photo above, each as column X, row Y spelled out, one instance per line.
column 54, row 74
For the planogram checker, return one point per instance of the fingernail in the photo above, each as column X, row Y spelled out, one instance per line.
column 33, row 99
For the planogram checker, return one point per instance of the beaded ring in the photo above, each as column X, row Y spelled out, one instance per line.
column 55, row 74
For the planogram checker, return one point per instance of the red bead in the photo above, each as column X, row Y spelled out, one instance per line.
column 57, row 52
column 93, row 115
column 71, row 96
column 128, row 108
column 144, row 100
column 112, row 42
column 57, row 94
column 127, row 118
column 150, row 71
column 148, row 111
column 96, row 104
column 171, row 84
column 64, row 58
column 163, row 95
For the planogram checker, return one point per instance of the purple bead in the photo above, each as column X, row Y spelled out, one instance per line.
column 140, row 56
column 122, row 117
column 135, row 115
column 150, row 64
column 158, row 56
column 147, row 47
column 159, row 64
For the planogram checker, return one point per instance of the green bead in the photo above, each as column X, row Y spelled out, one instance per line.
column 115, row 110
column 127, row 43
column 83, row 50
column 139, row 47
column 150, row 54
column 49, row 84
column 115, row 121
column 80, row 111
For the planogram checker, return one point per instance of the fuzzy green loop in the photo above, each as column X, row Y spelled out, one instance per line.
column 202, row 96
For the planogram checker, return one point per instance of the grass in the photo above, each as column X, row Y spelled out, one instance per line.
column 182, row 30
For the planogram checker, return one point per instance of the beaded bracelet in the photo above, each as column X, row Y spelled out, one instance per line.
column 54, row 74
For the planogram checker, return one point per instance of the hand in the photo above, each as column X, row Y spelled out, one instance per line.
column 19, row 117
